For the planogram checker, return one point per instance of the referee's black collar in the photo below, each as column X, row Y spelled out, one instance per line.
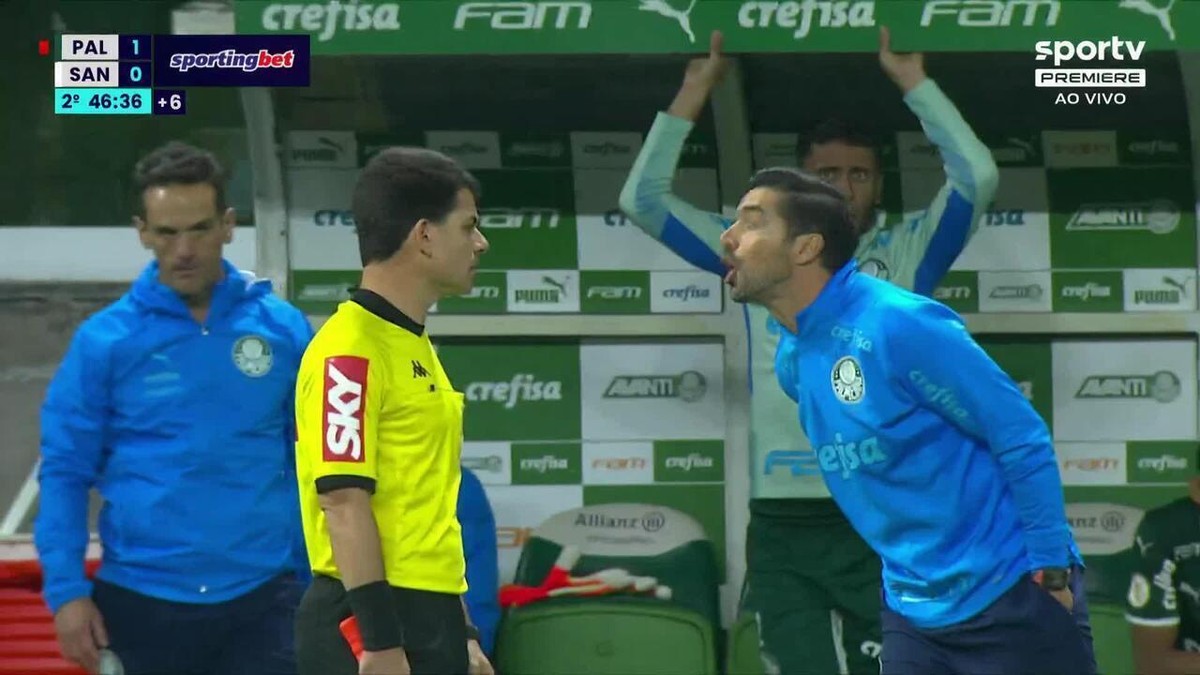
column 377, row 305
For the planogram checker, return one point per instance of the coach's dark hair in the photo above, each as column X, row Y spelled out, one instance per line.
column 178, row 163
column 399, row 187
column 810, row 205
column 838, row 129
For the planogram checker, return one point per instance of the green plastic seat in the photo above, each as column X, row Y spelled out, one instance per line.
column 743, row 656
column 624, row 633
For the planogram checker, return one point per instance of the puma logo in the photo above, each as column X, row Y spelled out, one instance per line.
column 1163, row 14
column 683, row 17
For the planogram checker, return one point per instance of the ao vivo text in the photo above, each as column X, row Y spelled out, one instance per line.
column 1090, row 98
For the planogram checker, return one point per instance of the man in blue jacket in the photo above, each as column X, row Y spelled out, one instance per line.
column 483, row 566
column 929, row 448
column 175, row 403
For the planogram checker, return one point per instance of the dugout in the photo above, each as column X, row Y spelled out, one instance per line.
column 1081, row 281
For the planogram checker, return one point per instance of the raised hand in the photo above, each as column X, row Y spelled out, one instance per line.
column 906, row 70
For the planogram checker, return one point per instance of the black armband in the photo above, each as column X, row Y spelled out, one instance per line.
column 374, row 607
column 472, row 633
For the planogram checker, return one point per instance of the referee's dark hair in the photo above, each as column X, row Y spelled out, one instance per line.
column 810, row 205
column 177, row 163
column 399, row 187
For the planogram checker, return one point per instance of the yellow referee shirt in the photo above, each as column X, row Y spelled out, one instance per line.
column 375, row 410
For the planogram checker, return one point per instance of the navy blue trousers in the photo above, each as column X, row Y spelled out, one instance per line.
column 249, row 635
column 1025, row 632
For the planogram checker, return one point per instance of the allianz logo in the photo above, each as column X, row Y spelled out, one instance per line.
column 689, row 292
column 692, row 461
column 523, row 387
column 845, row 457
column 545, row 463
column 1087, row 291
column 1163, row 463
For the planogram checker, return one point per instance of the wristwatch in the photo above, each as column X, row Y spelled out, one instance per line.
column 1052, row 578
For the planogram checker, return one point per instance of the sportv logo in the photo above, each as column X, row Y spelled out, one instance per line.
column 993, row 13
column 689, row 386
column 1163, row 386
column 1158, row 216
column 532, row 218
column 802, row 15
column 524, row 387
column 326, row 20
column 525, row 15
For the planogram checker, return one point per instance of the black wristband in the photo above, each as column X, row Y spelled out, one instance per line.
column 374, row 607
column 1054, row 578
column 472, row 633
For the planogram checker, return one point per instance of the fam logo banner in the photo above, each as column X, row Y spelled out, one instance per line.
column 673, row 26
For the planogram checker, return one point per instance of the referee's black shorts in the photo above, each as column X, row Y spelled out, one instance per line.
column 435, row 631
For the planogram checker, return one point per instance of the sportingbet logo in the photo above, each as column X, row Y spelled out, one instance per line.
column 524, row 15
column 801, row 16
column 692, row 461
column 1163, row 386
column 545, row 463
column 992, row 13
column 524, row 387
column 329, row 217
column 345, row 391
column 1087, row 291
column 1159, row 216
column 519, row 218
column 689, row 386
column 798, row 462
column 326, row 20
column 844, row 458
column 233, row 60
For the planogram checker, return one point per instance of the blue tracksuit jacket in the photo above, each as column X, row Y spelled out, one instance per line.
column 929, row 448
column 483, row 567
column 186, row 432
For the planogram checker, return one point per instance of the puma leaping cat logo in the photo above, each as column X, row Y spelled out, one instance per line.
column 664, row 8
column 1163, row 14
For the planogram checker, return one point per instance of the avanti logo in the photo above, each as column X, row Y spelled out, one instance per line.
column 523, row 388
column 1087, row 291
column 526, row 217
column 326, row 20
column 1026, row 292
column 1163, row 386
column 525, row 15
column 800, row 16
column 845, row 457
column 993, row 13
column 689, row 386
column 1159, row 216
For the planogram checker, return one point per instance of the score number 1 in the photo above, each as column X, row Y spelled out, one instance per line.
column 134, row 55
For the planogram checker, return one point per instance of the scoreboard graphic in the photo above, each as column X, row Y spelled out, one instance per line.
column 149, row 74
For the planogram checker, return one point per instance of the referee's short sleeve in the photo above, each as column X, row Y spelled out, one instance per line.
column 337, row 421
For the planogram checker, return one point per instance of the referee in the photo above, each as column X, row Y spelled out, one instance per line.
column 379, row 435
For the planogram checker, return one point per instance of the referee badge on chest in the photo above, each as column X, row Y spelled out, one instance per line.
column 252, row 355
column 847, row 377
